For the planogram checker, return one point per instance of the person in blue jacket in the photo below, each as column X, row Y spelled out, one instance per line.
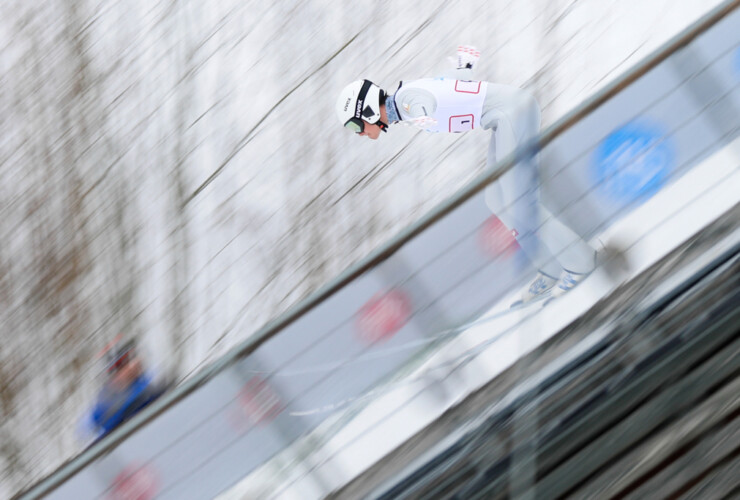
column 127, row 389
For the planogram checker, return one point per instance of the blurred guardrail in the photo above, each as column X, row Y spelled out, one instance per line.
column 601, row 161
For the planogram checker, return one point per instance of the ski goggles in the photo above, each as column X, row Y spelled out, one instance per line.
column 118, row 363
column 356, row 125
column 121, row 360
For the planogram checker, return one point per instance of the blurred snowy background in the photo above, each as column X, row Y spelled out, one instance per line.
column 174, row 170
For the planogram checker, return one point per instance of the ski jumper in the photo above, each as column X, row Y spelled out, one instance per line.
column 513, row 115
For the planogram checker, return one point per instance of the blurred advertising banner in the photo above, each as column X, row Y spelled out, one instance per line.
column 648, row 134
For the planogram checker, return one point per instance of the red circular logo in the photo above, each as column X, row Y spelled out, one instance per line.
column 383, row 316
column 134, row 483
column 496, row 239
column 259, row 402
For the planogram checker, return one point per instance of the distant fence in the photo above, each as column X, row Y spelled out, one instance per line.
column 603, row 159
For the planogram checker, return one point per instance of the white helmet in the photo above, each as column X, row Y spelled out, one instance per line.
column 360, row 102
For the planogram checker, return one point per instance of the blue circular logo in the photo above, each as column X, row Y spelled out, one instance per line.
column 633, row 162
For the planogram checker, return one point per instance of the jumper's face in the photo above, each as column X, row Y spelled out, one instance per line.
column 371, row 131
column 127, row 373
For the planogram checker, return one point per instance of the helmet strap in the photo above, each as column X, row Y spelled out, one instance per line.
column 383, row 126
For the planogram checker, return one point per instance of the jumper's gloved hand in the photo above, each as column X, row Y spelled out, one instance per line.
column 467, row 56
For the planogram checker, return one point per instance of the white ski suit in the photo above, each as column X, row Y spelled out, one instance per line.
column 513, row 116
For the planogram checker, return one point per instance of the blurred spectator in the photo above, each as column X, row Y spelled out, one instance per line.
column 128, row 388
